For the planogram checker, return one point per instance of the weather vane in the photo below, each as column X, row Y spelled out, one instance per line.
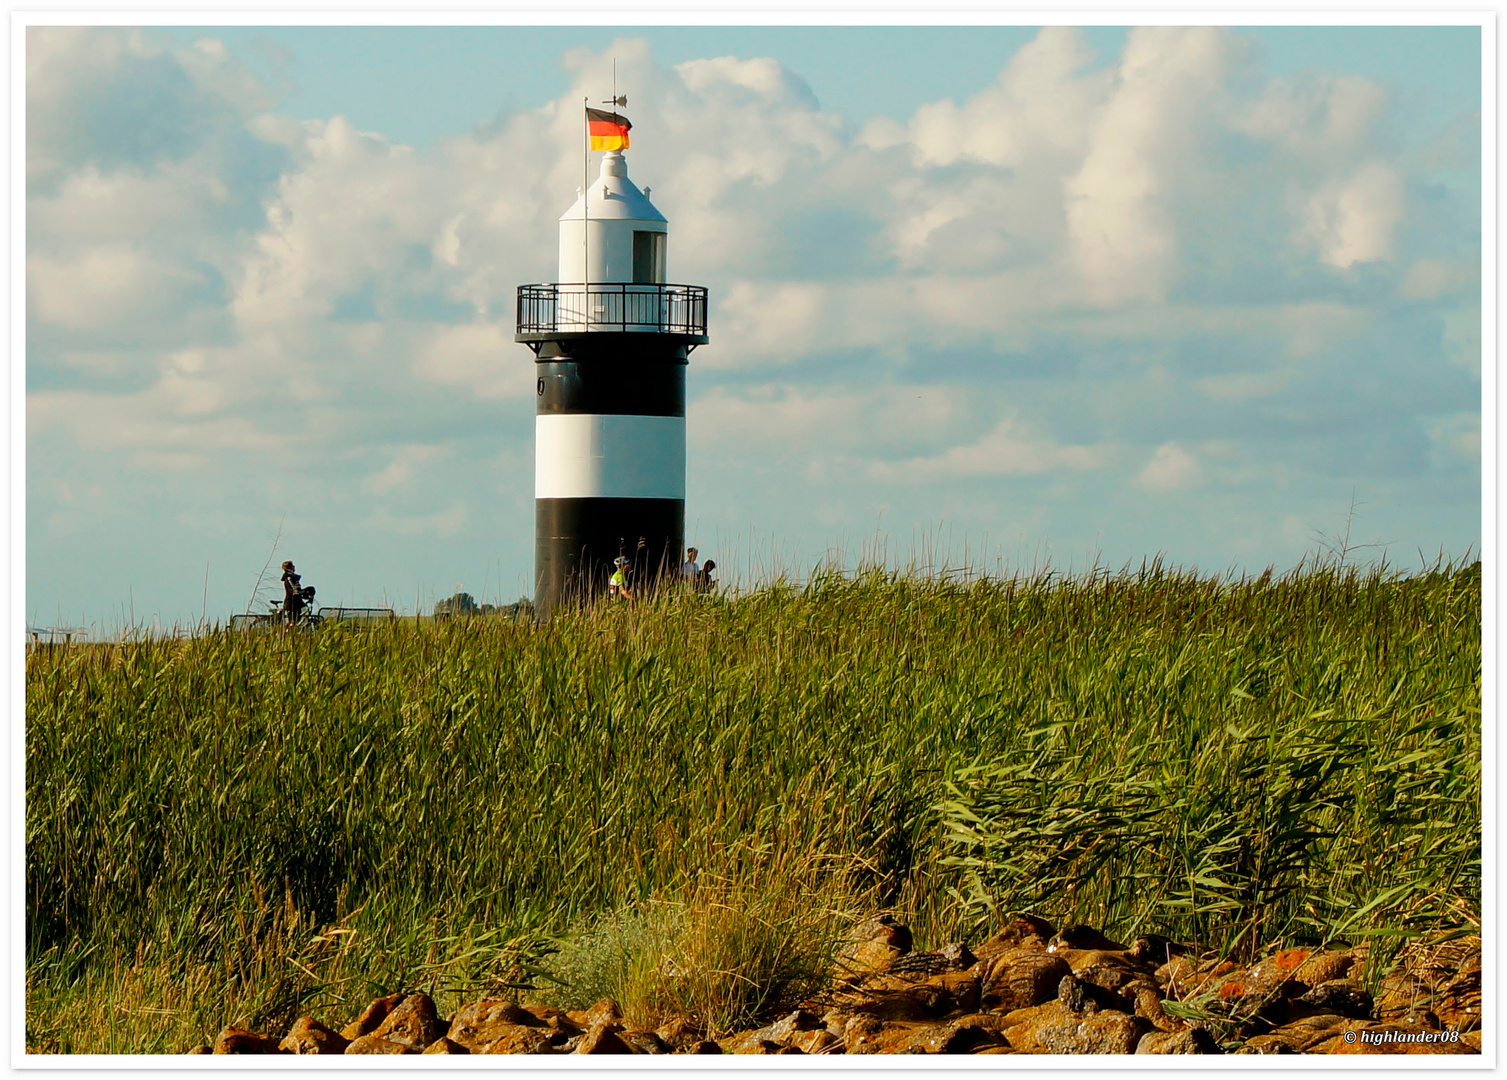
column 614, row 99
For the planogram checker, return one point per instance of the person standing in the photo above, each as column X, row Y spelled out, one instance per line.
column 292, row 594
column 617, row 584
column 690, row 570
column 704, row 581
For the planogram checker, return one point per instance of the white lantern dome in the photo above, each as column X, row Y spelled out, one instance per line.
column 613, row 233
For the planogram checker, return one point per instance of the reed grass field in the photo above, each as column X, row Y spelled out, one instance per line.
column 685, row 801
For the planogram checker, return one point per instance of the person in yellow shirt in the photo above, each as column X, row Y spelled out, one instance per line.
column 617, row 584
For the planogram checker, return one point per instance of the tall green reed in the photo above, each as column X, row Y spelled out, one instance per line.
column 453, row 798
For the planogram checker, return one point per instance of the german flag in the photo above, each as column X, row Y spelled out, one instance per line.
column 609, row 131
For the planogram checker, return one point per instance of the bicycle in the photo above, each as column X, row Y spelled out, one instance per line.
column 305, row 619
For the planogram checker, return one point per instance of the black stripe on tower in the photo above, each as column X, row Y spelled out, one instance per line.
column 576, row 541
column 627, row 390
column 607, row 387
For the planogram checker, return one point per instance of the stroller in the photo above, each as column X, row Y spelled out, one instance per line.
column 304, row 616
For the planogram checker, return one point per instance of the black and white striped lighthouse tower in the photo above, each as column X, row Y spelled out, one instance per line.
column 611, row 342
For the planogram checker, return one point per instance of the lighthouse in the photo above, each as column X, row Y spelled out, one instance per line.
column 611, row 342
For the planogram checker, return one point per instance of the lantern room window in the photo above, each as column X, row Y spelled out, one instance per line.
column 648, row 258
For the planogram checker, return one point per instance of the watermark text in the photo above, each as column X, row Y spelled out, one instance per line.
column 1377, row 1038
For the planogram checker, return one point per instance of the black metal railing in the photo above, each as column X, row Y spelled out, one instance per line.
column 598, row 306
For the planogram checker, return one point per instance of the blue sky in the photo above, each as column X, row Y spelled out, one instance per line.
column 1001, row 294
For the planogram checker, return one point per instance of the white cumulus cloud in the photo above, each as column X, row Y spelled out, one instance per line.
column 1354, row 219
column 1010, row 448
column 1170, row 468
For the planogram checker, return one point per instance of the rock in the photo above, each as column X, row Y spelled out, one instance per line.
column 862, row 959
column 953, row 957
column 1177, row 976
column 681, row 1034
column 1111, row 970
column 876, row 944
column 957, row 992
column 201, row 1049
column 1081, row 996
column 551, row 1017
column 556, row 1020
column 868, row 1035
column 704, row 1046
column 820, row 1041
column 957, row 955
column 956, row 1037
column 1405, row 999
column 371, row 1017
column 602, row 1038
column 481, row 1023
column 443, row 1045
column 1155, row 949
column 1338, row 996
column 1323, row 967
column 309, row 1036
column 1148, row 1005
column 1264, row 1044
column 1082, row 937
column 1019, row 932
column 1300, row 1034
column 884, row 928
column 860, row 1034
column 1035, row 1014
column 645, row 1042
column 801, row 1029
column 234, row 1040
column 516, row 1039
column 1459, row 1000
column 414, row 1022
column 1055, row 1029
column 1186, row 1041
column 493, row 1011
column 370, row 1044
column 1289, row 973
column 1099, row 1033
column 755, row 1046
column 1183, row 977
column 1012, row 979
column 836, row 1021
column 988, row 1021
column 787, row 1027
column 741, row 1042
column 901, row 997
column 920, row 963
column 604, row 1011
column 1234, row 989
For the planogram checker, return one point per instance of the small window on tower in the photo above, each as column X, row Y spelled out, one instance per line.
column 648, row 258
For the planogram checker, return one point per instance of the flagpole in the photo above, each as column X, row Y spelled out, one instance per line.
column 585, row 211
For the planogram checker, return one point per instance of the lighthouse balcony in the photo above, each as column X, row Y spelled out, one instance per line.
column 550, row 311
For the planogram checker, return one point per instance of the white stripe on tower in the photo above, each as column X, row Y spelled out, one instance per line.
column 592, row 456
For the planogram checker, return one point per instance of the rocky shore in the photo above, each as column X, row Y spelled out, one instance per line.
column 1029, row 989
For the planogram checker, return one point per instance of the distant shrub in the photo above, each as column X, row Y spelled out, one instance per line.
column 462, row 603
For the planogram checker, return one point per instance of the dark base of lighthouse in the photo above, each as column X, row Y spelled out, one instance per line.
column 576, row 541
